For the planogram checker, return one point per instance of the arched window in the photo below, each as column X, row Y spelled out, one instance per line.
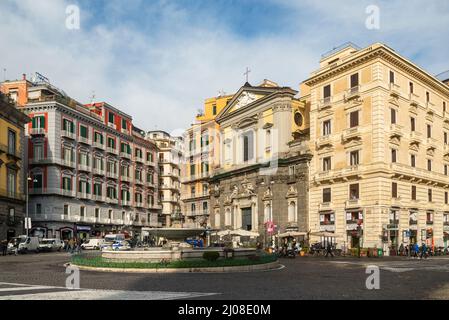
column 292, row 211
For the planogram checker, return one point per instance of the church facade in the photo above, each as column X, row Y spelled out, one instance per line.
column 262, row 177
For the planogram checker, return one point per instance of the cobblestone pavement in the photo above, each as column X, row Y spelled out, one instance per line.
column 301, row 278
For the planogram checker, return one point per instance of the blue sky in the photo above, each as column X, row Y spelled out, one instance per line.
column 158, row 59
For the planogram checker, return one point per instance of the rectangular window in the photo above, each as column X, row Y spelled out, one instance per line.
column 445, row 169
column 354, row 80
column 429, row 131
column 66, row 210
column 413, row 160
column 84, row 132
column 68, row 125
column 248, row 146
column 11, row 142
column 446, row 197
column 327, row 196
column 413, row 192
column 192, row 169
column 427, row 96
column 393, row 116
column 38, row 122
column 394, row 155
column 97, row 189
column 444, row 108
column 327, row 165
column 429, row 217
column 67, row 183
column 124, row 124
column 37, row 181
column 429, row 165
column 214, row 109
column 410, row 85
column 111, row 118
column 327, row 93
column 354, row 158
column 445, row 137
column 38, row 208
column 327, row 130
column 394, row 190
column 82, row 211
column 412, row 124
column 429, row 195
column 354, row 119
column 391, row 77
column 97, row 213
column 354, row 191
column 11, row 183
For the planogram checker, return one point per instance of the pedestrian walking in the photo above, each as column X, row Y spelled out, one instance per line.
column 415, row 250
column 423, row 251
column 329, row 250
column 4, row 247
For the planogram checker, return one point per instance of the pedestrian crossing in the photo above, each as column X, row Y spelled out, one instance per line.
column 16, row 291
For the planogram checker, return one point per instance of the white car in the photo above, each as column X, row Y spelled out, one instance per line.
column 92, row 244
column 121, row 245
column 51, row 245
column 23, row 244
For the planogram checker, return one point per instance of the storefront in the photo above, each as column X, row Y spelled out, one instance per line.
column 354, row 228
column 83, row 232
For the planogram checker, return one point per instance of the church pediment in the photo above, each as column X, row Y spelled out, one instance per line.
column 248, row 95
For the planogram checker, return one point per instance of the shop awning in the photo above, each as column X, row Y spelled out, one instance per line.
column 291, row 234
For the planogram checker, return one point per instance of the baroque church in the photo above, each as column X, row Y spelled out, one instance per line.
column 262, row 178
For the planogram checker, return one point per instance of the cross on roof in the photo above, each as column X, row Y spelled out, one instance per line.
column 247, row 73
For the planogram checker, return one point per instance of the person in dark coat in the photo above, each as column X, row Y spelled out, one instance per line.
column 329, row 250
column 4, row 247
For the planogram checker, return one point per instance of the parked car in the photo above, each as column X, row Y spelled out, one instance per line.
column 92, row 244
column 121, row 245
column 51, row 245
column 23, row 244
column 110, row 239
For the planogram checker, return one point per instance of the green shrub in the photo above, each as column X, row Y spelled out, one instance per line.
column 211, row 255
column 254, row 257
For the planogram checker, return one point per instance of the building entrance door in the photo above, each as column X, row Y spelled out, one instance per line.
column 11, row 233
column 246, row 219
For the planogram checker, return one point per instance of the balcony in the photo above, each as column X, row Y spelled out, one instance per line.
column 395, row 90
column 112, row 175
column 150, row 184
column 98, row 172
column 125, row 155
column 412, row 222
column 415, row 137
column 139, row 159
column 125, row 203
column 429, row 222
column 68, row 134
column 83, row 167
column 68, row 193
column 84, row 140
column 396, row 130
column 112, row 151
column 138, row 181
column 139, row 204
column 125, row 179
column 323, row 141
column 353, row 93
column 351, row 133
column 98, row 145
column 414, row 100
column 9, row 194
column 84, row 195
column 99, row 198
column 325, row 206
column 150, row 163
column 394, row 221
column 353, row 203
column 67, row 163
column 112, row 201
column 112, row 125
column 10, row 152
column 124, row 131
column 37, row 131
column 327, row 227
column 324, row 103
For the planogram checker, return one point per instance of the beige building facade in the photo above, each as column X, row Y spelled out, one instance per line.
column 379, row 128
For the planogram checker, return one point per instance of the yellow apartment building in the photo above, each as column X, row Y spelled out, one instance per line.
column 12, row 167
column 379, row 134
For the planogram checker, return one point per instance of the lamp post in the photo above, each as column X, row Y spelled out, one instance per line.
column 27, row 227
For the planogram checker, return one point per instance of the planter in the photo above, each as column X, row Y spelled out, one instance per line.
column 302, row 253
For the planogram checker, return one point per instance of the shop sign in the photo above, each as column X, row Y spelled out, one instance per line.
column 83, row 228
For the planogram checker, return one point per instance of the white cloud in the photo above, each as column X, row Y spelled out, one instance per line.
column 161, row 77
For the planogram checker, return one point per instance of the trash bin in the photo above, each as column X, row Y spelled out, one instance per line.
column 380, row 252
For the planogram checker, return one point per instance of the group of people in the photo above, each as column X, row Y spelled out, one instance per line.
column 73, row 245
column 290, row 246
column 414, row 250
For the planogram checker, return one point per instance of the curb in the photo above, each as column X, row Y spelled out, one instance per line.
column 256, row 267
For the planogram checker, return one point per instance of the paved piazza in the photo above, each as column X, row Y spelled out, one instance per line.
column 43, row 277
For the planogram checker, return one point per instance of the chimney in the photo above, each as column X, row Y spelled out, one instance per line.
column 24, row 76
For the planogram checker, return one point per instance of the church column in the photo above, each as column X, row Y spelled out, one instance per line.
column 282, row 115
column 256, row 217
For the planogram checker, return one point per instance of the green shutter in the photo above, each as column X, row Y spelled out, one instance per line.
column 42, row 121
column 34, row 122
column 88, row 188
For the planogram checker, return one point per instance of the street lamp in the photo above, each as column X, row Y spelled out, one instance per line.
column 27, row 227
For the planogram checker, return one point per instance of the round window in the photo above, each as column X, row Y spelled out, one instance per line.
column 298, row 119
